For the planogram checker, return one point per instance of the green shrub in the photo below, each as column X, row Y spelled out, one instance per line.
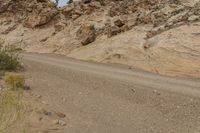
column 9, row 57
column 14, row 80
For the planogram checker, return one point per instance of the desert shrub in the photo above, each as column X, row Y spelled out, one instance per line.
column 9, row 57
column 14, row 80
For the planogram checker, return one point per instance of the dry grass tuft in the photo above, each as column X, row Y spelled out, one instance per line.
column 11, row 109
column 14, row 81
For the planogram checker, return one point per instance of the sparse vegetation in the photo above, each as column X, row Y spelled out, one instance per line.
column 11, row 105
column 9, row 57
column 11, row 109
column 14, row 81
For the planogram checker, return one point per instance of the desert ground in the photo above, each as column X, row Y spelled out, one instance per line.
column 110, row 66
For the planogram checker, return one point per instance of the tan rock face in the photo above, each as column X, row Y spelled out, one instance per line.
column 31, row 12
column 174, row 52
column 39, row 26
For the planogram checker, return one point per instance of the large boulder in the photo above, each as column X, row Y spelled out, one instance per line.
column 87, row 34
column 40, row 13
column 34, row 19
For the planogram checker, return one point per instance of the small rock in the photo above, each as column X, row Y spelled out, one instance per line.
column 193, row 18
column 44, row 39
column 45, row 112
column 40, row 118
column 26, row 87
column 119, row 23
column 61, row 115
column 133, row 90
column 156, row 92
column 112, row 31
column 55, row 122
column 146, row 45
column 37, row 96
column 62, row 123
column 44, row 102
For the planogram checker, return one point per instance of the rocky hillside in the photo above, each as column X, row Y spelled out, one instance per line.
column 155, row 35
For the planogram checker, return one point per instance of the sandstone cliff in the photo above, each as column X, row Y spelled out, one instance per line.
column 155, row 35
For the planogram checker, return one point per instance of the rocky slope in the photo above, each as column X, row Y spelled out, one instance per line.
column 155, row 35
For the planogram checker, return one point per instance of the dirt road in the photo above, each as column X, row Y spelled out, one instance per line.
column 99, row 98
